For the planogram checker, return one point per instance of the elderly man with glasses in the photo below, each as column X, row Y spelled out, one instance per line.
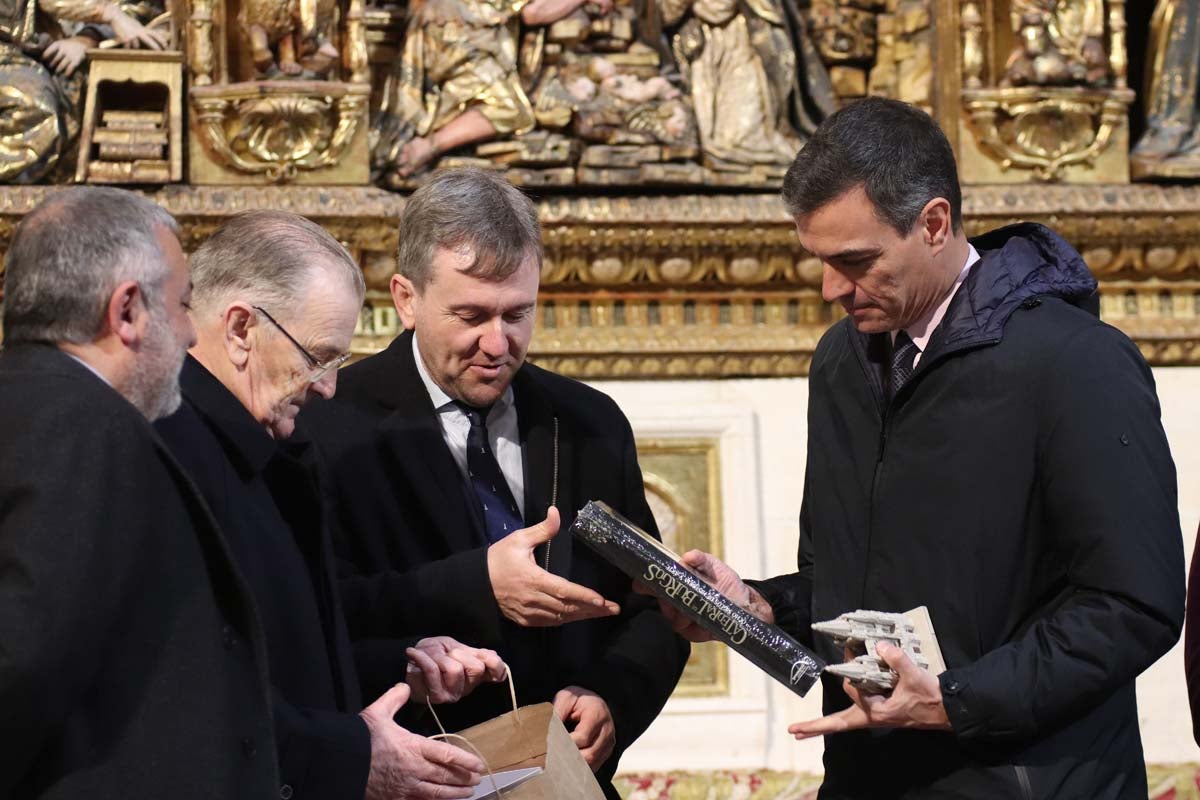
column 275, row 300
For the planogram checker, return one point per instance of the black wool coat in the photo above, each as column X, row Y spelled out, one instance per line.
column 1021, row 487
column 132, row 663
column 264, row 495
column 407, row 518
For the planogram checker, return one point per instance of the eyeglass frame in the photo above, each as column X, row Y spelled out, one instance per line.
column 319, row 369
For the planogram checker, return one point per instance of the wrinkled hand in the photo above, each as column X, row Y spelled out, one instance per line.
column 65, row 55
column 446, row 671
column 599, row 8
column 594, row 733
column 405, row 766
column 916, row 702
column 724, row 580
column 529, row 595
column 131, row 33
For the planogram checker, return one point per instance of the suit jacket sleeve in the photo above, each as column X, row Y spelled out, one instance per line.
column 1108, row 492
column 321, row 753
column 644, row 657
column 415, row 603
column 61, row 536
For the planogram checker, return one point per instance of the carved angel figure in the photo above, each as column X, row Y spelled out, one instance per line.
column 458, row 80
column 1172, row 137
column 757, row 83
column 290, row 36
column 40, row 81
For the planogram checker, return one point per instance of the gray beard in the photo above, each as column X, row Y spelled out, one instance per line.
column 154, row 386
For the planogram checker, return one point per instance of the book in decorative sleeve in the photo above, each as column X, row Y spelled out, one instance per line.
column 644, row 558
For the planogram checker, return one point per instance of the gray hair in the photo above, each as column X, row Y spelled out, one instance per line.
column 268, row 257
column 69, row 254
column 468, row 208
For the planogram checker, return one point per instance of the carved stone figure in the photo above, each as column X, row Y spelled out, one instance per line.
column 40, row 81
column 290, row 36
column 1058, row 42
column 1171, row 145
column 756, row 81
column 609, row 104
column 458, row 81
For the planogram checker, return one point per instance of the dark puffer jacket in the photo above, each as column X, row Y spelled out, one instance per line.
column 1021, row 487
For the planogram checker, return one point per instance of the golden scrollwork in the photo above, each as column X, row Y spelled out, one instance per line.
column 1046, row 130
column 717, row 286
column 278, row 129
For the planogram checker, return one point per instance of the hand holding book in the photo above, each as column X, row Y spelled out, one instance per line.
column 725, row 580
column 706, row 596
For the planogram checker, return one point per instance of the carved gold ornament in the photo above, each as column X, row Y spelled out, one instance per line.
column 277, row 128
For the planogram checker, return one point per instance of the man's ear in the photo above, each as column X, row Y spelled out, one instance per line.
column 404, row 296
column 937, row 223
column 126, row 315
column 239, row 321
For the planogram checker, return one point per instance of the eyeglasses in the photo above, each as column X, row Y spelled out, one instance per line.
column 319, row 368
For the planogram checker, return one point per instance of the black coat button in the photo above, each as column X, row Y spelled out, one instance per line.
column 285, row 792
column 248, row 748
column 228, row 637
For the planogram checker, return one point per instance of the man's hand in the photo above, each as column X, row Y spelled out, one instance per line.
column 916, row 702
column 594, row 733
column 724, row 580
column 529, row 595
column 446, row 671
column 405, row 766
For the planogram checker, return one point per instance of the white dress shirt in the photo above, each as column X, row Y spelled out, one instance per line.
column 922, row 330
column 503, row 432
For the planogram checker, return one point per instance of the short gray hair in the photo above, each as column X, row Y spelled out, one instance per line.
column 268, row 257
column 468, row 208
column 69, row 254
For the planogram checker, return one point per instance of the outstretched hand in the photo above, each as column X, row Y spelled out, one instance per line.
column 916, row 702
column 529, row 595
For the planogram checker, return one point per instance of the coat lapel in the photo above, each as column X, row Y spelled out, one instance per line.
column 545, row 448
column 413, row 435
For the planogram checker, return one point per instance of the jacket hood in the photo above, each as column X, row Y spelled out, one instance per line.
column 1018, row 263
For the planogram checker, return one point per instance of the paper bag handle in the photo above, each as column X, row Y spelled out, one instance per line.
column 512, row 692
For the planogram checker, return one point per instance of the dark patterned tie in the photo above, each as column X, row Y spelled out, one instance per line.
column 904, row 352
column 500, row 515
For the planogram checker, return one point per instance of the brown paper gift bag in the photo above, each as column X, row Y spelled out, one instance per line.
column 533, row 736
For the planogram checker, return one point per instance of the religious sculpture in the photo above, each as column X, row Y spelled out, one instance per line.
column 1058, row 43
column 756, row 82
column 458, row 80
column 1170, row 146
column 40, row 80
column 299, row 31
column 282, row 97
